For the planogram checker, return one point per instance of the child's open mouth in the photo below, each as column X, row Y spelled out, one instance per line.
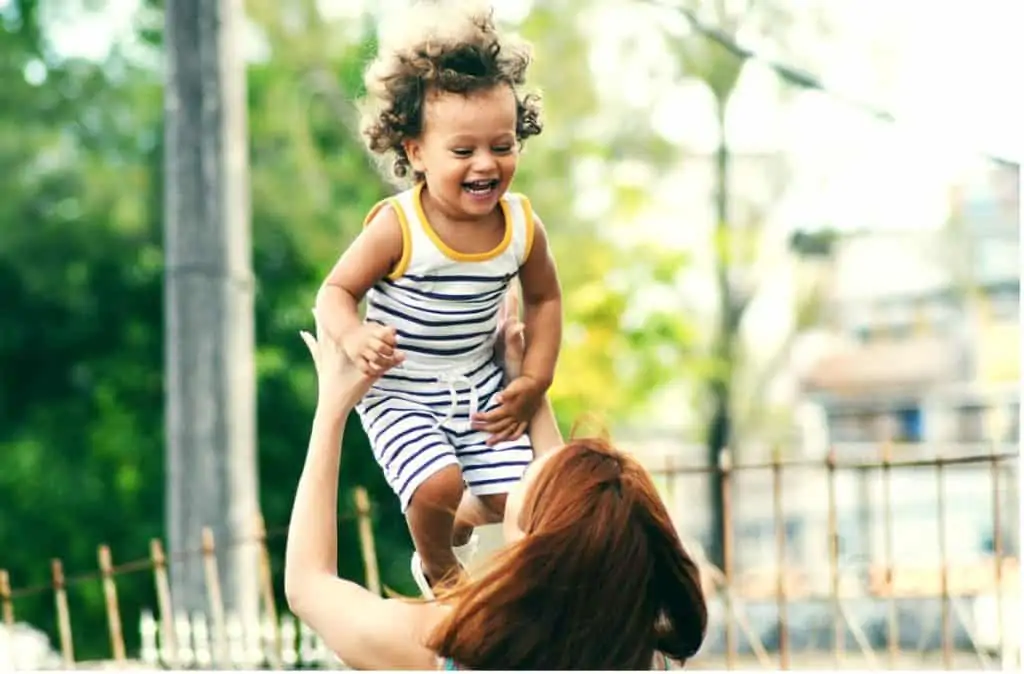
column 480, row 188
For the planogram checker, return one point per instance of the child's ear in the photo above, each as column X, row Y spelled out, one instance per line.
column 414, row 152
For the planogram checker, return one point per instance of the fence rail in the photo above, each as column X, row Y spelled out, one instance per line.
column 217, row 622
column 879, row 585
column 771, row 612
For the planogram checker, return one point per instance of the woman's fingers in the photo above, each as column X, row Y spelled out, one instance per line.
column 310, row 343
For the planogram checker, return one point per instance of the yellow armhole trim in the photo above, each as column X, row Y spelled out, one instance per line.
column 403, row 262
column 530, row 226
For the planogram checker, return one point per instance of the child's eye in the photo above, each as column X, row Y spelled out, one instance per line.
column 462, row 152
column 503, row 149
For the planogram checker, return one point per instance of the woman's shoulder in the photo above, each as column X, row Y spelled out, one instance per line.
column 405, row 647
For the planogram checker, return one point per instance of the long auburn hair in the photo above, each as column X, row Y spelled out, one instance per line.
column 599, row 581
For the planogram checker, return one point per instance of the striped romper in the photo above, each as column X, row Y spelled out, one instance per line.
column 444, row 307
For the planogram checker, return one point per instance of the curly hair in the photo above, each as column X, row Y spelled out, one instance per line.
column 441, row 46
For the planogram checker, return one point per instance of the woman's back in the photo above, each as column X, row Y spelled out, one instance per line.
column 599, row 579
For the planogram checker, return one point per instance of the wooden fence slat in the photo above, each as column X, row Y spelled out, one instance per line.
column 273, row 653
column 6, row 603
column 215, row 597
column 106, row 564
column 67, row 648
column 168, row 643
column 367, row 546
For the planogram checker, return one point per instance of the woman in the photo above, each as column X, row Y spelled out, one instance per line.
column 593, row 575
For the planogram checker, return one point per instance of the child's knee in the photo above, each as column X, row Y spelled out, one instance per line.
column 495, row 504
column 442, row 491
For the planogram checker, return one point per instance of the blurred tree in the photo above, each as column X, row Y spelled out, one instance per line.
column 210, row 444
column 618, row 350
column 739, row 236
column 81, row 262
column 81, row 442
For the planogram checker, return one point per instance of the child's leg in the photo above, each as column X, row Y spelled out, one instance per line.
column 475, row 511
column 420, row 465
column 431, row 518
column 489, row 473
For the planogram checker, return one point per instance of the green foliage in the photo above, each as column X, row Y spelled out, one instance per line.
column 81, row 342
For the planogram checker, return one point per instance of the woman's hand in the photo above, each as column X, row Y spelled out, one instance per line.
column 340, row 384
column 510, row 346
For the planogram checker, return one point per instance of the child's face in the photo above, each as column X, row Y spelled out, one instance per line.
column 468, row 149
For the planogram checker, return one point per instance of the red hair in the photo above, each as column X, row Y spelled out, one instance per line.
column 599, row 581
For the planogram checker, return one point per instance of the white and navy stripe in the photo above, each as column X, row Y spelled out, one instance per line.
column 444, row 307
column 400, row 417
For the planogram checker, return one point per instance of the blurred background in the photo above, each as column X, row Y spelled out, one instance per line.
column 788, row 236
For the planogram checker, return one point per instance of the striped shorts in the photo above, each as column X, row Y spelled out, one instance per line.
column 418, row 424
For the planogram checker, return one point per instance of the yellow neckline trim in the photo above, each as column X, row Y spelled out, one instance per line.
column 417, row 200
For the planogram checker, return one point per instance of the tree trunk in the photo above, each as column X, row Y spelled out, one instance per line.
column 208, row 303
column 720, row 390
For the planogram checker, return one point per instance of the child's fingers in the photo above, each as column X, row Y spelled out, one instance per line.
column 490, row 417
column 378, row 363
column 505, row 432
column 385, row 334
column 366, row 366
column 373, row 355
column 381, row 347
column 500, row 426
column 519, row 430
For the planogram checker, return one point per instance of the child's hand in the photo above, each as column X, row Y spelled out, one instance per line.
column 372, row 348
column 517, row 405
column 340, row 384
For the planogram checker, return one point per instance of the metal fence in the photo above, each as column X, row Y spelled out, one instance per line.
column 818, row 602
column 776, row 606
column 174, row 640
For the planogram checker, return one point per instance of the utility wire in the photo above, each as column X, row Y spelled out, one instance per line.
column 797, row 76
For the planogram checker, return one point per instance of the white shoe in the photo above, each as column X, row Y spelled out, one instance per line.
column 463, row 553
column 416, row 566
column 466, row 553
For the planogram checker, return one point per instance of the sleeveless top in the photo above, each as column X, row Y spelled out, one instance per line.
column 443, row 303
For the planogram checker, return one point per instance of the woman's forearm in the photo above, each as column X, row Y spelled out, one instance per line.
column 313, row 530
column 544, row 432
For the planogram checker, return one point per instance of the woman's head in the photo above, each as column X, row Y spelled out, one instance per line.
column 443, row 102
column 598, row 579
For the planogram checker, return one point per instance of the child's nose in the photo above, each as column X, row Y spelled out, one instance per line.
column 484, row 162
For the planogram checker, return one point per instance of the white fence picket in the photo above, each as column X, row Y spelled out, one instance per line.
column 249, row 646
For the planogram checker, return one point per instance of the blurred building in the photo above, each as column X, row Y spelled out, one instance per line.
column 921, row 347
column 930, row 323
column 926, row 327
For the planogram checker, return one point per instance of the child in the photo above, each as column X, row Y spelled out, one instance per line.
column 435, row 263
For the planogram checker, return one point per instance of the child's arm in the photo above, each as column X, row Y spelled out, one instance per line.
column 542, row 300
column 371, row 257
column 542, row 297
